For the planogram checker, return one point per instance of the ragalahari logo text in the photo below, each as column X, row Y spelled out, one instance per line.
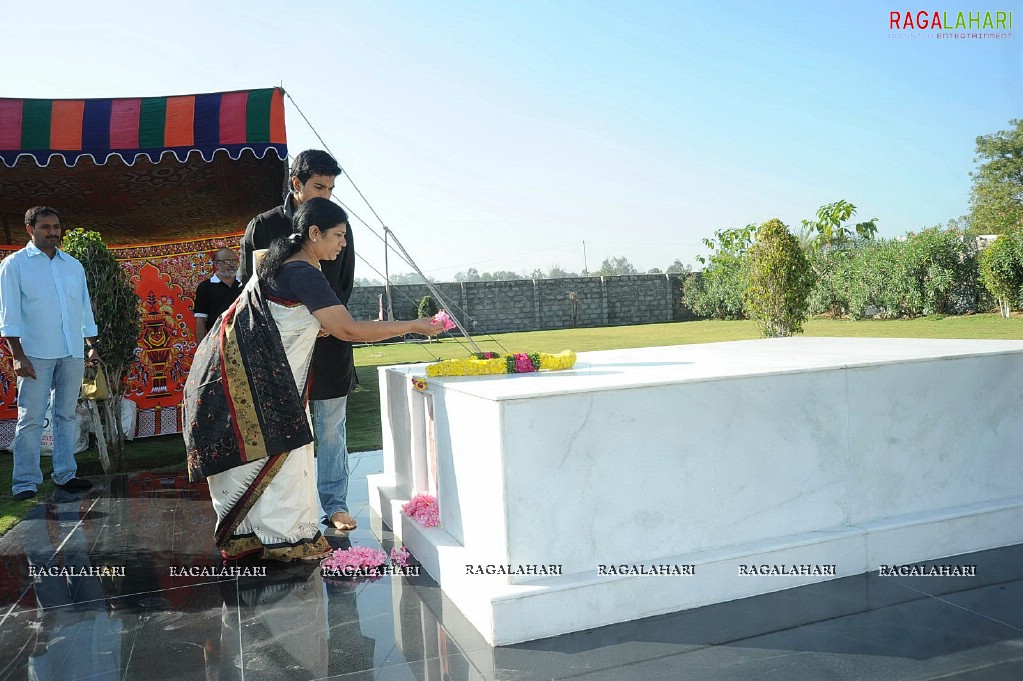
column 951, row 24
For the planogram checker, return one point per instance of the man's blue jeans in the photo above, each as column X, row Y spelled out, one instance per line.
column 329, row 418
column 64, row 378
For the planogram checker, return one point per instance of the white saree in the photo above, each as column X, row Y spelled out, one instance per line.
column 282, row 523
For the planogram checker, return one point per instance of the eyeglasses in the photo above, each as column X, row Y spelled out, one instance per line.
column 233, row 261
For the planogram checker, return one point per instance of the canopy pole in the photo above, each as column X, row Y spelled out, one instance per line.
column 387, row 278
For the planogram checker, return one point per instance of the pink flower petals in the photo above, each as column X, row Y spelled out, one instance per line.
column 400, row 556
column 423, row 509
column 356, row 561
column 444, row 319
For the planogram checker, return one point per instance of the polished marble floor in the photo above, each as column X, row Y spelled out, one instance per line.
column 150, row 623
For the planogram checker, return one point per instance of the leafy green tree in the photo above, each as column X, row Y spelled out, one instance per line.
column 558, row 272
column 678, row 268
column 733, row 242
column 829, row 227
column 406, row 278
column 654, row 270
column 117, row 311
column 615, row 267
column 502, row 275
column 996, row 201
column 1001, row 270
column 779, row 281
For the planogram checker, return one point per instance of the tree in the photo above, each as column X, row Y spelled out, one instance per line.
column 678, row 268
column 407, row 278
column 558, row 272
column 472, row 274
column 117, row 311
column 654, row 270
column 555, row 272
column 996, row 201
column 829, row 227
column 503, row 275
column 1001, row 269
column 779, row 281
column 615, row 267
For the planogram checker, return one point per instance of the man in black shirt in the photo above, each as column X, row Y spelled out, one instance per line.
column 333, row 367
column 216, row 294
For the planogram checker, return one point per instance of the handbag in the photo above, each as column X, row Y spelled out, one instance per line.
column 94, row 384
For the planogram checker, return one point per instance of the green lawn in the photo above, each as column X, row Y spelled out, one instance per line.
column 364, row 405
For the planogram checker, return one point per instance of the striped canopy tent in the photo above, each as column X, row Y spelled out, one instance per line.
column 145, row 169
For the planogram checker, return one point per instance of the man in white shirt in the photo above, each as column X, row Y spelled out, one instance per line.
column 46, row 317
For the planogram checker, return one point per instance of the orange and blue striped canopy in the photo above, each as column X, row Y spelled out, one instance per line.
column 132, row 127
column 143, row 169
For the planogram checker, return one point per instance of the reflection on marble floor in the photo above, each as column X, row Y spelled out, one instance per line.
column 91, row 588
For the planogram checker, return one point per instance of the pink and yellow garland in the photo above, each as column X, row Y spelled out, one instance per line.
column 490, row 363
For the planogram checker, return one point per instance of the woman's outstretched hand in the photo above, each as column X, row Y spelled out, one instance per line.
column 427, row 326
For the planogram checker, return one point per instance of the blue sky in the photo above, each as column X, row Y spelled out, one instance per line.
column 501, row 135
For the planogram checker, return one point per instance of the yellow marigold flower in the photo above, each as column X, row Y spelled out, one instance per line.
column 563, row 360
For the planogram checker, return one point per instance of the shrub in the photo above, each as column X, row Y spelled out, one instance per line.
column 716, row 292
column 830, row 292
column 779, row 281
column 116, row 308
column 1001, row 270
column 942, row 272
column 933, row 272
column 427, row 308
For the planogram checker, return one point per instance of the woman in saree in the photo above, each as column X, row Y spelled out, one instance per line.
column 247, row 428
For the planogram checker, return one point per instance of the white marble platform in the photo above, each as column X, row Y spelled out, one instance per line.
column 837, row 454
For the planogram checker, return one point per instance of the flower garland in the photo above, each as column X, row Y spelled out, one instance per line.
column 490, row 363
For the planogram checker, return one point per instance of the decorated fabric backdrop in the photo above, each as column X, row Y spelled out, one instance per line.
column 165, row 277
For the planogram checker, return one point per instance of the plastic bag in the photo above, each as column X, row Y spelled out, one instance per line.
column 94, row 384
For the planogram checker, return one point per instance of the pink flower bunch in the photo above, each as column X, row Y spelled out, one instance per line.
column 349, row 562
column 423, row 509
column 400, row 556
column 523, row 363
column 444, row 319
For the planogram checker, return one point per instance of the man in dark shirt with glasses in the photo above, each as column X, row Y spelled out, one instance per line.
column 216, row 293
